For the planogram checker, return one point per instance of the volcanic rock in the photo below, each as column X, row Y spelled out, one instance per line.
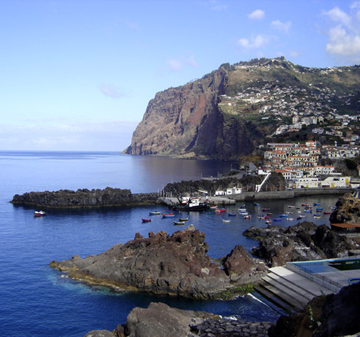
column 301, row 242
column 347, row 209
column 85, row 198
column 160, row 264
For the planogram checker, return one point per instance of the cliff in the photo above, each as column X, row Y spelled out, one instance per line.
column 226, row 114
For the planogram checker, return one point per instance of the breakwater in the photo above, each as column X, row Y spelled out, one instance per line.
column 288, row 194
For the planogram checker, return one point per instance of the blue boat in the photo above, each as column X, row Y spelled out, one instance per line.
column 231, row 214
column 316, row 204
column 154, row 213
column 283, row 215
column 277, row 219
column 168, row 215
column 318, row 209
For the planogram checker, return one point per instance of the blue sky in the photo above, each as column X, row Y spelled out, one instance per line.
column 78, row 74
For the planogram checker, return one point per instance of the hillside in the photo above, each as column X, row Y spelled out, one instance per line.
column 229, row 112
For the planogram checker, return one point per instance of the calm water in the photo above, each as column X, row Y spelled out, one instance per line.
column 36, row 301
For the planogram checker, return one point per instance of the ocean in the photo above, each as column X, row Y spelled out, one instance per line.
column 36, row 300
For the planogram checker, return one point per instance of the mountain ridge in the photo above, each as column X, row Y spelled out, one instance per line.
column 229, row 112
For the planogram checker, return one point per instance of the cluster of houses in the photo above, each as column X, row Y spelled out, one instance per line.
column 299, row 164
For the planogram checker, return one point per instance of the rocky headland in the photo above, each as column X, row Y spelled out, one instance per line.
column 107, row 197
column 175, row 265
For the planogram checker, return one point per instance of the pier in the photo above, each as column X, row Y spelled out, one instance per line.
column 291, row 287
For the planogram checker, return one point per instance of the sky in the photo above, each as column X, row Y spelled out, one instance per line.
column 77, row 75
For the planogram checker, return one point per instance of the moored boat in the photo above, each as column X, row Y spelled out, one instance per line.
column 39, row 213
column 146, row 220
column 179, row 223
column 183, row 219
column 168, row 215
column 154, row 213
column 225, row 221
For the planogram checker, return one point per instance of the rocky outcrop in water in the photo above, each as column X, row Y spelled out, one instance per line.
column 325, row 316
column 85, row 198
column 301, row 242
column 347, row 209
column 160, row 264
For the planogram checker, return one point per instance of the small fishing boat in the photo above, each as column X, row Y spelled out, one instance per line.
column 154, row 213
column 183, row 219
column 304, row 204
column 146, row 220
column 247, row 217
column 316, row 204
column 290, row 219
column 308, row 210
column 168, row 215
column 225, row 221
column 213, row 207
column 231, row 214
column 268, row 221
column 256, row 204
column 318, row 209
column 277, row 219
column 291, row 206
column 327, row 212
column 179, row 223
column 242, row 210
column 283, row 215
column 266, row 209
column 39, row 214
column 220, row 210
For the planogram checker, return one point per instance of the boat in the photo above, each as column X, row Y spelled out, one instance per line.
column 231, row 214
column 256, row 204
column 168, row 215
column 213, row 207
column 146, row 220
column 304, row 204
column 192, row 205
column 220, row 210
column 268, row 221
column 277, row 219
column 247, row 217
column 154, row 213
column 290, row 219
column 308, row 210
column 316, row 204
column 242, row 210
column 179, row 223
column 283, row 215
column 327, row 212
column 291, row 206
column 263, row 217
column 39, row 213
column 266, row 209
column 225, row 221
column 183, row 219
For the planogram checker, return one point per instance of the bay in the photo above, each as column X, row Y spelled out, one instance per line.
column 37, row 301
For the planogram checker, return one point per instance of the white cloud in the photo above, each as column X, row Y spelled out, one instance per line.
column 256, row 42
column 344, row 38
column 284, row 26
column 111, row 90
column 63, row 136
column 337, row 15
column 178, row 64
column 257, row 14
column 343, row 44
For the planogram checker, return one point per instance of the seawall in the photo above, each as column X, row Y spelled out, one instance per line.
column 288, row 194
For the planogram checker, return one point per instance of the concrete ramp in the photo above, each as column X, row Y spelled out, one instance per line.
column 290, row 290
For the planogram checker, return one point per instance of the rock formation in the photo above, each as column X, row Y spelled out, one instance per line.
column 85, row 198
column 186, row 121
column 160, row 264
column 160, row 320
column 325, row 316
column 301, row 242
column 347, row 209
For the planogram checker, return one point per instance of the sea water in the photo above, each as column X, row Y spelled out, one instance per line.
column 36, row 300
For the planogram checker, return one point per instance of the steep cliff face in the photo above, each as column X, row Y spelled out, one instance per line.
column 186, row 121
